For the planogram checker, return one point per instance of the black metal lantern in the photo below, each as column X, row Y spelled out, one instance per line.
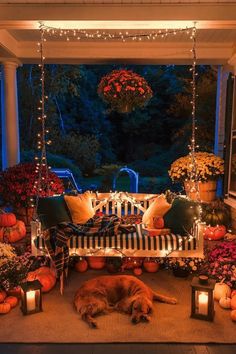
column 202, row 298
column 31, row 297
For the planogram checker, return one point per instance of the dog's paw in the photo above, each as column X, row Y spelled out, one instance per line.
column 93, row 324
column 173, row 301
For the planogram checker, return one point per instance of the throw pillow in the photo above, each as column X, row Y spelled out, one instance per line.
column 80, row 207
column 52, row 210
column 181, row 216
column 156, row 209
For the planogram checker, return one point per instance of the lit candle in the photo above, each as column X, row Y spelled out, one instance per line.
column 203, row 304
column 30, row 298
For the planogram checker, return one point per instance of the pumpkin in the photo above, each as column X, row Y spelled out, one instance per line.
column 12, row 300
column 7, row 219
column 225, row 302
column 221, row 290
column 81, row 266
column 3, row 295
column 233, row 315
column 150, row 266
column 158, row 222
column 217, row 213
column 13, row 233
column 96, row 262
column 214, row 232
column 137, row 271
column 14, row 292
column 233, row 302
column 4, row 308
column 45, row 276
column 233, row 293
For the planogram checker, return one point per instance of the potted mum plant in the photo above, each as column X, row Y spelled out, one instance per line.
column 209, row 168
column 17, row 188
column 124, row 90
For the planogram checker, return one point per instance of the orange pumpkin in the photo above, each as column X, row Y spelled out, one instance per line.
column 233, row 293
column 13, row 233
column 7, row 219
column 150, row 266
column 214, row 232
column 96, row 262
column 81, row 266
column 233, row 303
column 45, row 276
column 137, row 271
column 3, row 295
column 12, row 300
column 4, row 308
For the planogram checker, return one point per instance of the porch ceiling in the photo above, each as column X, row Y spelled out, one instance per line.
column 216, row 34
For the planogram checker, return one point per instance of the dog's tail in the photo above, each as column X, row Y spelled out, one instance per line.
column 163, row 298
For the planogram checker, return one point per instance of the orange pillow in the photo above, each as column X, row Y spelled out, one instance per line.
column 80, row 207
column 157, row 208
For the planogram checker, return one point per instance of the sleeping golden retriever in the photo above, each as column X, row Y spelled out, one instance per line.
column 123, row 293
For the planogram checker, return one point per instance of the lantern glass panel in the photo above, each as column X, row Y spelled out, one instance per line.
column 31, row 300
column 201, row 302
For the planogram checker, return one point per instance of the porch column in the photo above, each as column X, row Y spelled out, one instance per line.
column 10, row 121
column 222, row 78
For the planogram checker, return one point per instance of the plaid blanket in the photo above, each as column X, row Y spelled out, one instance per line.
column 56, row 238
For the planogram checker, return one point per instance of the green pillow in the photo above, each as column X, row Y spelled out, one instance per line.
column 52, row 210
column 180, row 217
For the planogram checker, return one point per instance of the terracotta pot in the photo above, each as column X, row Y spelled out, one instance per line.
column 96, row 262
column 207, row 190
column 151, row 267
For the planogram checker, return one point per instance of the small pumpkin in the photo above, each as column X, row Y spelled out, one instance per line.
column 12, row 300
column 137, row 271
column 14, row 292
column 233, row 302
column 221, row 290
column 150, row 266
column 45, row 276
column 214, row 232
column 233, row 315
column 7, row 219
column 158, row 222
column 81, row 266
column 216, row 213
column 3, row 295
column 4, row 308
column 225, row 302
column 233, row 293
column 96, row 262
column 13, row 233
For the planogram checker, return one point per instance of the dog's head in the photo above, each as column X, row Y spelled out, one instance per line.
column 141, row 304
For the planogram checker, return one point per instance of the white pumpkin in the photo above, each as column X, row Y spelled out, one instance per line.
column 225, row 302
column 221, row 290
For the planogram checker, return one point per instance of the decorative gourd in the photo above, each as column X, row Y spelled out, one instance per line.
column 233, row 315
column 13, row 233
column 96, row 262
column 214, row 232
column 158, row 222
column 233, row 302
column 221, row 290
column 225, row 302
column 137, row 271
column 81, row 266
column 4, row 308
column 7, row 219
column 12, row 300
column 3, row 295
column 45, row 276
column 150, row 266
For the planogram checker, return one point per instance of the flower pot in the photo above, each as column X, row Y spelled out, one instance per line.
column 96, row 262
column 207, row 190
column 125, row 108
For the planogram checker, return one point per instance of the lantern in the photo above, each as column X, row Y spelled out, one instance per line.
column 202, row 298
column 31, row 297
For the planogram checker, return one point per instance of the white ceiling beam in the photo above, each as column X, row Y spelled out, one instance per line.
column 135, row 12
column 8, row 43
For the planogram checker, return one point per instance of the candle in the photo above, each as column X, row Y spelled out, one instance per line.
column 30, row 298
column 203, row 304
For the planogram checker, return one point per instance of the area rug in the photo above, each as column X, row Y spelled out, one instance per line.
column 59, row 322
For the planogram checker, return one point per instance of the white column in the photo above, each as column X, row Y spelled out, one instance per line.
column 10, row 121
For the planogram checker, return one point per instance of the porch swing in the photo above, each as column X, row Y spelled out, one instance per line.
column 137, row 243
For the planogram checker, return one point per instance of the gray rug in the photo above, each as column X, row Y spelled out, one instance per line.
column 59, row 323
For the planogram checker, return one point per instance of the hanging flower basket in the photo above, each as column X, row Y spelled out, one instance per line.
column 124, row 90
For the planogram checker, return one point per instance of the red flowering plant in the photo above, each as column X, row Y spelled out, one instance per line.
column 17, row 184
column 124, row 90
